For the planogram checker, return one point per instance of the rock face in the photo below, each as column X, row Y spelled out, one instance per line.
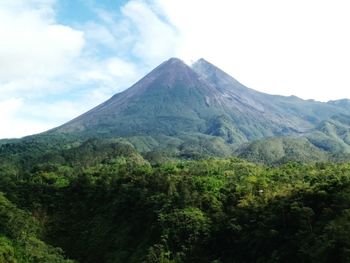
column 176, row 103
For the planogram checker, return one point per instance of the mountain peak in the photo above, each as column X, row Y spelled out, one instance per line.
column 202, row 61
column 169, row 72
column 172, row 65
column 174, row 60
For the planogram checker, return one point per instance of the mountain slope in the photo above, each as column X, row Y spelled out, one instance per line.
column 280, row 150
column 293, row 112
column 332, row 135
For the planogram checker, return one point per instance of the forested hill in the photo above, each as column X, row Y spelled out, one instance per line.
column 103, row 202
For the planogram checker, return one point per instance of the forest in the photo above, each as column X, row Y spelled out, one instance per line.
column 101, row 201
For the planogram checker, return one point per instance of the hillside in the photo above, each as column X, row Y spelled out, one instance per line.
column 279, row 150
column 100, row 201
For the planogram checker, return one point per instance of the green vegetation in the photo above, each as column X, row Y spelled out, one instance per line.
column 101, row 201
column 279, row 150
column 19, row 237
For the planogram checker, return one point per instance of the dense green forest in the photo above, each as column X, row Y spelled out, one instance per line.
column 101, row 201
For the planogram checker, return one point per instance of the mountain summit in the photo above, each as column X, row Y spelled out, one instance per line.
column 172, row 99
column 199, row 106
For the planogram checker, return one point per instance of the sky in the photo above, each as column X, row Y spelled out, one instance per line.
column 60, row 58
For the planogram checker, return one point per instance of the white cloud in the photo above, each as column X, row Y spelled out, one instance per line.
column 31, row 45
column 34, row 50
column 21, row 117
column 137, row 31
column 9, row 107
column 45, row 7
column 108, row 76
column 154, row 39
column 13, row 125
column 282, row 47
column 40, row 59
column 99, row 34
